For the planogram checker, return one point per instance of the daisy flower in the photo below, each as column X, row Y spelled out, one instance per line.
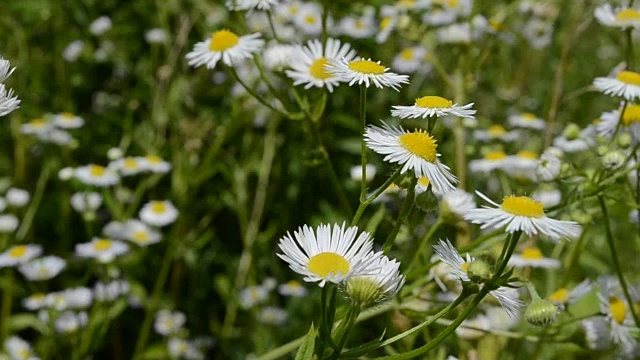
column 356, row 172
column 103, row 250
column 17, row 197
column 547, row 196
column 358, row 27
column 620, row 18
column 563, row 296
column 110, row 291
column 630, row 122
column 538, row 33
column 19, row 254
column 100, row 25
column 521, row 213
column 5, row 69
column 522, row 165
column 8, row 223
column 86, row 201
column 380, row 281
column 43, row 268
column 457, row 203
column 414, row 151
column 495, row 132
column 8, row 102
column 422, row 185
column 168, row 323
column 428, row 106
column 365, row 72
column 253, row 295
column 156, row 164
column 278, row 56
column 308, row 18
column 549, row 164
column 388, row 21
column 626, row 84
column 454, row 34
column 251, row 4
column 158, row 213
column 67, row 120
column 292, row 288
column 458, row 265
column 96, row 175
column 72, row 298
column 533, row 257
column 69, row 322
column 156, row 36
column 616, row 310
column 225, row 45
column 526, row 120
column 128, row 166
column 330, row 253
column 18, row 349
column 492, row 160
column 272, row 315
column 308, row 66
column 410, row 60
column 140, row 233
column 35, row 127
column 36, row 301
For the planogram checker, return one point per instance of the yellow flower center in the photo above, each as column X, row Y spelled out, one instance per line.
column 631, row 115
column 465, row 266
column 102, row 244
column 407, row 54
column 559, row 295
column 294, row 284
column 496, row 25
column 24, row 353
column 532, row 253
column 326, row 263
column 433, row 102
column 153, row 159
column 629, row 77
column 318, row 69
column 158, row 207
column 527, row 155
column 223, row 40
column 38, row 123
column 495, row 155
column 528, row 116
column 522, row 206
column 310, row 19
column 628, row 14
column 67, row 116
column 141, row 236
column 18, row 251
column 130, row 163
column 496, row 130
column 97, row 170
column 421, row 144
column 38, row 296
column 424, row 181
column 618, row 309
column 385, row 23
column 366, row 67
column 406, row 3
column 392, row 188
column 359, row 24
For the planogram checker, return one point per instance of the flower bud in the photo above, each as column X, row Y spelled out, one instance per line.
column 602, row 150
column 541, row 313
column 613, row 160
column 427, row 201
column 479, row 271
column 571, row 132
column 625, row 140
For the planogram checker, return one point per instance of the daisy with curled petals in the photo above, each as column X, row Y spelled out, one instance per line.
column 378, row 283
column 618, row 314
column 329, row 253
column 428, row 106
column 225, row 45
column 521, row 213
column 626, row 84
column 620, row 18
column 365, row 72
column 309, row 64
column 251, row 4
column 630, row 122
column 458, row 265
column 414, row 151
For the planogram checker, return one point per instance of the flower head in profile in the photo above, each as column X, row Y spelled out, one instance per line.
column 526, row 120
column 330, row 253
column 251, row 4
column 521, row 213
column 224, row 45
column 103, row 250
column 533, row 257
column 96, row 175
column 629, row 122
column 433, row 106
column 159, row 213
column 308, row 67
column 415, row 151
column 625, row 84
column 621, row 17
column 43, row 268
column 379, row 282
column 365, row 72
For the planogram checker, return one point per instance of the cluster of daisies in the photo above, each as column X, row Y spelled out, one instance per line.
column 260, row 300
column 54, row 128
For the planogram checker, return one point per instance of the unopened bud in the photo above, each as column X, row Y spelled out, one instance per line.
column 427, row 201
column 541, row 313
column 479, row 270
column 571, row 132
column 602, row 150
column 613, row 160
column 625, row 140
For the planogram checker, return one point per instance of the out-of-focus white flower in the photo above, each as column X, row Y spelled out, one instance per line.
column 19, row 349
column 155, row 36
column 111, row 290
column 273, row 315
column 86, row 201
column 103, row 250
column 17, row 197
column 69, row 321
column 169, row 323
column 158, row 213
column 100, row 25
column 43, row 268
column 8, row 223
column 19, row 254
column 96, row 175
column 72, row 52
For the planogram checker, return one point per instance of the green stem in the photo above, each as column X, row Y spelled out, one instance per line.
column 254, row 94
column 5, row 312
column 616, row 262
column 363, row 145
column 574, row 255
column 153, row 302
column 420, row 250
column 27, row 220
column 629, row 50
column 349, row 322
column 370, row 199
column 272, row 26
column 407, row 205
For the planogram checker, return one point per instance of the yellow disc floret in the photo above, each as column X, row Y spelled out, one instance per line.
column 318, row 69
column 527, row 155
column 559, row 295
column 495, row 155
column 629, row 77
column 496, row 130
column 97, row 170
column 522, row 206
column 407, row 54
column 366, row 67
column 18, row 251
column 617, row 309
column 102, row 244
column 158, row 207
column 421, row 144
column 628, row 15
column 223, row 40
column 433, row 102
column 631, row 115
column 532, row 253
column 326, row 263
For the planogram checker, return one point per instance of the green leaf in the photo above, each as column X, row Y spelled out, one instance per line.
column 156, row 351
column 305, row 351
column 19, row 322
column 364, row 348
